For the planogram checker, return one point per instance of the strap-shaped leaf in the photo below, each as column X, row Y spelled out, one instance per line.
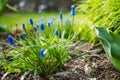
column 109, row 38
column 115, row 45
column 111, row 45
column 106, row 46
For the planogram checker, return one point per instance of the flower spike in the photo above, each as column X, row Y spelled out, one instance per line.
column 42, row 54
column 31, row 21
column 11, row 40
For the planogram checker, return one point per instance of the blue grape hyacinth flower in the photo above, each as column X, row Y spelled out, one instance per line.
column 39, row 11
column 31, row 21
column 61, row 16
column 66, row 21
column 24, row 35
column 23, row 26
column 11, row 40
column 73, row 11
column 42, row 54
column 35, row 29
column 42, row 18
column 54, row 18
column 56, row 33
column 37, row 25
column 49, row 24
column 42, row 28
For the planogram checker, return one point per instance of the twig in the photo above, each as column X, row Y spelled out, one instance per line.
column 3, row 77
column 24, row 75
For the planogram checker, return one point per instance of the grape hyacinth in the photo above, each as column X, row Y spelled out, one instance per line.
column 23, row 26
column 42, row 54
column 31, row 21
column 73, row 12
column 42, row 27
column 37, row 25
column 11, row 40
column 49, row 24
column 39, row 11
column 54, row 18
column 35, row 29
column 56, row 33
column 61, row 18
column 66, row 21
column 42, row 18
column 24, row 35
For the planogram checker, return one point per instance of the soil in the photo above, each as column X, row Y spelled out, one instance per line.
column 95, row 66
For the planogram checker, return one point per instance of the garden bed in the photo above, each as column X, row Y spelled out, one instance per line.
column 79, row 69
column 54, row 49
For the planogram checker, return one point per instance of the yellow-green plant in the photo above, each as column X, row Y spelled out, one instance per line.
column 104, row 13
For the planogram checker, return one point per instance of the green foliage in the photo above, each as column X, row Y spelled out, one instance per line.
column 57, row 49
column 99, row 12
column 2, row 5
column 111, row 44
column 4, row 29
column 56, row 55
column 25, row 56
column 11, row 60
column 11, row 8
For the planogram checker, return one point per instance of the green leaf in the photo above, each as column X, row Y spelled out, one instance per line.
column 11, row 8
column 111, row 45
column 2, row 6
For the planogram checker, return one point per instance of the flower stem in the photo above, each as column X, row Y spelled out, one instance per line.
column 73, row 21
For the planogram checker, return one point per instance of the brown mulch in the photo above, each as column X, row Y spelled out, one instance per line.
column 99, row 68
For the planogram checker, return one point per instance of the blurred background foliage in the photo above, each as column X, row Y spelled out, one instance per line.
column 35, row 5
column 20, row 11
column 2, row 5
